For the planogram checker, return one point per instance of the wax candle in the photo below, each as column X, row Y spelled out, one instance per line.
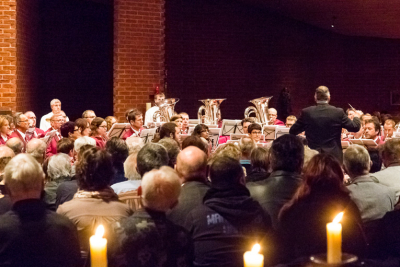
column 148, row 106
column 334, row 240
column 98, row 248
column 253, row 258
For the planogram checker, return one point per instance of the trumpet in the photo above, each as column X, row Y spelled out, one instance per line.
column 260, row 109
column 211, row 110
column 166, row 110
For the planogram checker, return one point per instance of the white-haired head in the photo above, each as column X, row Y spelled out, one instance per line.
column 160, row 189
column 130, row 168
column 59, row 167
column 134, row 144
column 37, row 149
column 84, row 140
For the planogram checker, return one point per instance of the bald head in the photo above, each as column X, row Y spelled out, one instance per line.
column 6, row 154
column 191, row 164
column 15, row 144
column 37, row 149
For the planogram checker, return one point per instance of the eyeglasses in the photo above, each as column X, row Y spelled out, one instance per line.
column 90, row 117
column 103, row 126
column 257, row 133
column 76, row 130
column 205, row 131
column 58, row 120
column 23, row 121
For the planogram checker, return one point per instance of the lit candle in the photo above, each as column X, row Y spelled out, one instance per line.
column 148, row 106
column 253, row 258
column 98, row 248
column 334, row 239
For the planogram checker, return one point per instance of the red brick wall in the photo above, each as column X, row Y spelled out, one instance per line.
column 138, row 53
column 8, row 55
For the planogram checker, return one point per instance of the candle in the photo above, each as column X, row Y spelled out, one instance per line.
column 98, row 248
column 334, row 240
column 148, row 106
column 252, row 258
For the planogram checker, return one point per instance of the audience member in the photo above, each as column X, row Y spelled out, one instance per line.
column 195, row 141
column 308, row 152
column 58, row 170
column 286, row 162
column 6, row 154
column 119, row 152
column 229, row 221
column 151, row 156
column 66, row 146
column 191, row 167
column 376, row 159
column 259, row 166
column 321, row 196
column 98, row 131
column 172, row 148
column 95, row 202
column 89, row 115
column 372, row 198
column 134, row 144
column 30, row 234
column 37, row 149
column 246, row 145
column 148, row 232
column 16, row 145
column 131, row 174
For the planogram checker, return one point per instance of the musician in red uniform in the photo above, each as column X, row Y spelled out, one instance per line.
column 135, row 119
column 372, row 129
column 21, row 126
column 4, row 130
column 98, row 132
column 33, row 131
column 273, row 117
column 53, row 134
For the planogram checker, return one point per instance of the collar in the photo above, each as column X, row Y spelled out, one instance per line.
column 136, row 132
column 364, row 179
column 5, row 138
column 322, row 102
column 21, row 133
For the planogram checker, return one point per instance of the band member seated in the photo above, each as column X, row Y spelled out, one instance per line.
column 273, row 117
column 4, row 130
column 54, row 135
column 177, row 119
column 388, row 129
column 158, row 99
column 55, row 105
column 21, row 126
column 255, row 131
column 202, row 131
column 290, row 120
column 111, row 120
column 135, row 119
column 185, row 122
column 83, row 126
column 33, row 132
column 372, row 130
column 89, row 115
column 350, row 113
column 98, row 132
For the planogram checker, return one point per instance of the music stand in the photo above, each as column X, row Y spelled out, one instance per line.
column 214, row 134
column 147, row 135
column 231, row 127
column 236, row 137
column 118, row 130
column 212, row 125
column 269, row 131
column 364, row 142
column 279, row 131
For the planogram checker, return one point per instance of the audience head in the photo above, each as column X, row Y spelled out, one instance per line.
column 376, row 159
column 37, row 149
column 81, row 141
column 98, row 127
column 89, row 115
column 169, row 130
column 15, row 144
column 322, row 94
column 227, row 150
column 191, row 165
column 59, row 167
column 255, row 131
column 287, row 154
column 290, row 120
column 245, row 124
column 66, row 146
column 226, row 172
column 356, row 161
column 160, row 189
column 70, row 130
column 172, row 148
column 24, row 178
column 135, row 119
column 372, row 129
column 119, row 152
column 94, row 171
column 130, row 168
column 21, row 122
column 201, row 130
column 56, row 121
column 389, row 127
column 196, row 142
column 185, row 119
column 111, row 120
column 31, row 118
column 6, row 154
column 159, row 98
column 55, row 105
column 391, row 152
column 259, row 159
column 4, row 126
column 134, row 144
column 83, row 126
column 151, row 156
column 246, row 145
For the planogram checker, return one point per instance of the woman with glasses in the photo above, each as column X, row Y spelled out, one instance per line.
column 4, row 130
column 98, row 129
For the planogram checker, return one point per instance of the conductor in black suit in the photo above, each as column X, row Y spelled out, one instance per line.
column 323, row 124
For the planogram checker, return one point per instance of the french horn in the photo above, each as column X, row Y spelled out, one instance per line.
column 211, row 111
column 166, row 110
column 260, row 109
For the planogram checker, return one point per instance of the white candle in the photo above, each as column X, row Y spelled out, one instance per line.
column 98, row 248
column 334, row 240
column 148, row 106
column 253, row 258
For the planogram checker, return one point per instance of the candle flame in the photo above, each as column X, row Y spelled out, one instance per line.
column 100, row 231
column 256, row 248
column 338, row 217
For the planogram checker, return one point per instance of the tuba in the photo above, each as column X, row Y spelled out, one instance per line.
column 260, row 108
column 211, row 111
column 166, row 110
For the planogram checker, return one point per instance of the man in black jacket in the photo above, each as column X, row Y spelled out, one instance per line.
column 229, row 222
column 323, row 124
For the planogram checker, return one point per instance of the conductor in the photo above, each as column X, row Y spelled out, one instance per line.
column 323, row 124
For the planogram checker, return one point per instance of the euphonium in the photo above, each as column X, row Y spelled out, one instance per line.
column 211, row 111
column 166, row 110
column 260, row 108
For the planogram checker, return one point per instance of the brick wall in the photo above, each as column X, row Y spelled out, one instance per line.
column 8, row 55
column 138, row 53
column 229, row 49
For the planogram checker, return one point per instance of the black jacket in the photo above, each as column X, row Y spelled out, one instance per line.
column 323, row 125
